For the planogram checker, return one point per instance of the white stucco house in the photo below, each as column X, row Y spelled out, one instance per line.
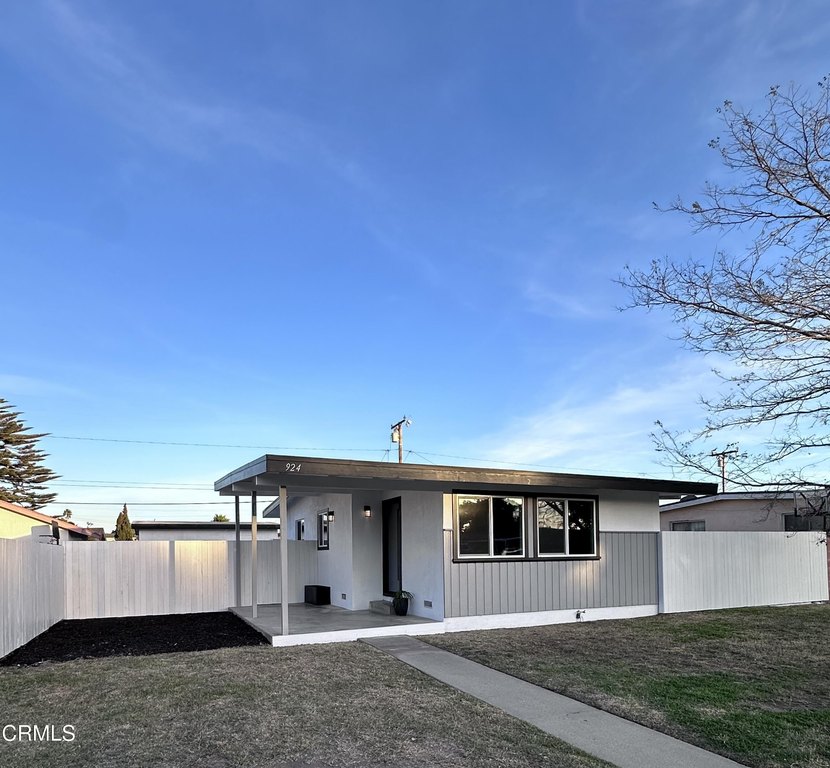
column 475, row 547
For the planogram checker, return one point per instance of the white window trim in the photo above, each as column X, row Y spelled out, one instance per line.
column 490, row 555
column 566, row 530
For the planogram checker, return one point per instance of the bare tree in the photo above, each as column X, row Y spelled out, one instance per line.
column 767, row 307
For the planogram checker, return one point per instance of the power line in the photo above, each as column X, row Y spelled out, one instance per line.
column 382, row 451
column 137, row 487
column 210, row 445
column 137, row 482
column 143, row 503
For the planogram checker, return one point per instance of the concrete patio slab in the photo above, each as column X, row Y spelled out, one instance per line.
column 308, row 624
column 619, row 741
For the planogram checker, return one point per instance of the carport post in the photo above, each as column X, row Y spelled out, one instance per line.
column 284, row 557
column 237, row 555
column 253, row 554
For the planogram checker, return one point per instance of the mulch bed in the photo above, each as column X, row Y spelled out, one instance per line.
column 135, row 636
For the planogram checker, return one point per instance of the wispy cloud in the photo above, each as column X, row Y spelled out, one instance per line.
column 541, row 299
column 606, row 431
column 101, row 62
column 12, row 385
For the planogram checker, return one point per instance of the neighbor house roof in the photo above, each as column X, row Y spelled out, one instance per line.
column 307, row 474
column 86, row 533
column 718, row 498
column 198, row 525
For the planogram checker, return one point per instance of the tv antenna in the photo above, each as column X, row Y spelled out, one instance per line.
column 397, row 435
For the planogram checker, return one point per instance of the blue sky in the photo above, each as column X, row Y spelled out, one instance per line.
column 286, row 225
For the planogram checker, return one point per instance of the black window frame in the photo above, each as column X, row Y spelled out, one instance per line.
column 529, row 528
column 489, row 557
column 566, row 555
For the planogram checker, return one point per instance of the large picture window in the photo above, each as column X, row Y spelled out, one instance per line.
column 490, row 526
column 566, row 527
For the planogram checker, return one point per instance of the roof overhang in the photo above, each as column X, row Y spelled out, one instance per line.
column 304, row 475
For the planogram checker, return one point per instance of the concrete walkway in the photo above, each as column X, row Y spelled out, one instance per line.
column 598, row 733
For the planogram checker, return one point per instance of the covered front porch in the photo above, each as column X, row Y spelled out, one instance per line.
column 309, row 624
column 360, row 537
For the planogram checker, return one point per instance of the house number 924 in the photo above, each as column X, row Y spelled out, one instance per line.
column 291, row 467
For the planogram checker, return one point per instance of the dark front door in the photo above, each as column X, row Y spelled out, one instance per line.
column 391, row 546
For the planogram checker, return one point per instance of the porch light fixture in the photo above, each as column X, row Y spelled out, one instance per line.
column 329, row 516
column 367, row 511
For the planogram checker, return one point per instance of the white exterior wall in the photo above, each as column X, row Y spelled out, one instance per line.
column 422, row 550
column 630, row 511
column 31, row 590
column 724, row 569
column 263, row 533
column 334, row 565
column 368, row 549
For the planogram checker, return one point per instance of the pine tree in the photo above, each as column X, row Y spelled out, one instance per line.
column 23, row 477
column 123, row 529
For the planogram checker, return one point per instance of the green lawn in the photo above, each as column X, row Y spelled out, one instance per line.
column 343, row 705
column 752, row 684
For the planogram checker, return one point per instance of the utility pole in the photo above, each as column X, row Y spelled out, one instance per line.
column 397, row 435
column 722, row 459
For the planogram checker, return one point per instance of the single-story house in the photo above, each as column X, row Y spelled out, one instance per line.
column 745, row 511
column 189, row 530
column 17, row 521
column 476, row 547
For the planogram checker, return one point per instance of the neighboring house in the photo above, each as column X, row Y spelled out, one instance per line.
column 181, row 530
column 17, row 521
column 745, row 511
column 475, row 547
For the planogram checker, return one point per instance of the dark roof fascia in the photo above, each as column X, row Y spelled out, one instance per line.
column 267, row 473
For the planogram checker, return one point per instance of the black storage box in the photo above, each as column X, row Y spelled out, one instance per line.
column 317, row 594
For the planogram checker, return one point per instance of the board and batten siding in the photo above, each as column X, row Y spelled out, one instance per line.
column 31, row 590
column 139, row 578
column 733, row 569
column 625, row 574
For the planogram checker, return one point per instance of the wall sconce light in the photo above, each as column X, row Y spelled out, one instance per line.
column 329, row 516
column 367, row 511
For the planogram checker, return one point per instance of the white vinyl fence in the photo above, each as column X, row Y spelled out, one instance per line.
column 731, row 569
column 40, row 584
column 138, row 578
column 31, row 590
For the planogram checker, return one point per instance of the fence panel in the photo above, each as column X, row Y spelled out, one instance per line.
column 134, row 578
column 732, row 569
column 31, row 590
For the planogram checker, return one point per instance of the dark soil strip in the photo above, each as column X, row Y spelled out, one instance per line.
column 134, row 636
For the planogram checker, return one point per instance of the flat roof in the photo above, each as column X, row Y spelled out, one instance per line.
column 721, row 498
column 209, row 524
column 306, row 475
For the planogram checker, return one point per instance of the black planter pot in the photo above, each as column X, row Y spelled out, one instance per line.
column 400, row 605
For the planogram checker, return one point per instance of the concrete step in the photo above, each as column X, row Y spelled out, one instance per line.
column 381, row 606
